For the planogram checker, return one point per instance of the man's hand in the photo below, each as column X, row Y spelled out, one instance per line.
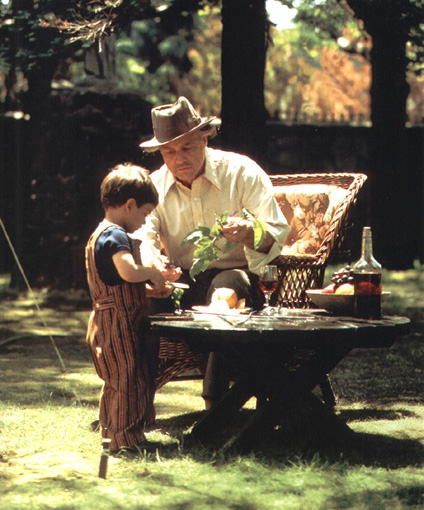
column 239, row 230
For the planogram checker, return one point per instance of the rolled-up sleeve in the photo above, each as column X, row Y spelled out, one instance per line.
column 258, row 198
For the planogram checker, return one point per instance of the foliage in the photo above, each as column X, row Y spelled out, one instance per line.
column 206, row 241
column 405, row 16
column 309, row 76
column 40, row 35
column 176, row 296
column 170, row 48
column 343, row 26
column 32, row 48
column 162, row 64
column 330, row 19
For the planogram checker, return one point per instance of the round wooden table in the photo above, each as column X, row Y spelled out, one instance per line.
column 278, row 359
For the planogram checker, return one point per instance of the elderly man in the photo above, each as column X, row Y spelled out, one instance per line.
column 194, row 184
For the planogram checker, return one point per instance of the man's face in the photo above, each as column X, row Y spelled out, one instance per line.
column 185, row 158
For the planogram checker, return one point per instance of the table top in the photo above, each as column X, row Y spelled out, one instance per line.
column 295, row 327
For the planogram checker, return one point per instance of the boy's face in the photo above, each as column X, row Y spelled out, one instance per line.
column 136, row 216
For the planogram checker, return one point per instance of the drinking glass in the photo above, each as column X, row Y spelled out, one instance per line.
column 268, row 281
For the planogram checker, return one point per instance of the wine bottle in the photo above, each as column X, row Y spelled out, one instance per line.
column 367, row 281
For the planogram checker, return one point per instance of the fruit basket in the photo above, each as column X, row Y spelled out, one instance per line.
column 339, row 304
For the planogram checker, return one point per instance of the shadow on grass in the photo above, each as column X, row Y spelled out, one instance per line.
column 348, row 415
column 412, row 496
column 383, row 451
column 287, row 443
column 31, row 373
column 176, row 425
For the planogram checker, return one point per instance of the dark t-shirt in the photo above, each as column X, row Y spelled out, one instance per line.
column 109, row 242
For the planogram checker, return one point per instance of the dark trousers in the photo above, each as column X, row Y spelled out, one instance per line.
column 245, row 284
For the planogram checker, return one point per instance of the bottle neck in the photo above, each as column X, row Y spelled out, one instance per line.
column 366, row 249
column 367, row 261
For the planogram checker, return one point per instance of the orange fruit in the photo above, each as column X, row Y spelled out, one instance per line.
column 224, row 294
column 241, row 303
column 345, row 288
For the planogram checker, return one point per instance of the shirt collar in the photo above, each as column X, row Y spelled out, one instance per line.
column 211, row 169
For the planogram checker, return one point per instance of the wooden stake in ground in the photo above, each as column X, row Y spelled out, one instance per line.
column 104, row 457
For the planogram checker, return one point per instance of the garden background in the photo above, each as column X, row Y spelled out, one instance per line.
column 336, row 87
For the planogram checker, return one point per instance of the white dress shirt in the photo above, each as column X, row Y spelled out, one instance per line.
column 229, row 183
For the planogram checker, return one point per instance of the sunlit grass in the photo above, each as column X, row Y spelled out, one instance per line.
column 49, row 454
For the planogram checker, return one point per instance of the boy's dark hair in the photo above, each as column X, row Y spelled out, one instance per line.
column 127, row 181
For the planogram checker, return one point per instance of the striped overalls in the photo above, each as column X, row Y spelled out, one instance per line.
column 126, row 400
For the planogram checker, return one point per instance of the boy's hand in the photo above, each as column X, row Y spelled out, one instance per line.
column 156, row 279
column 154, row 293
column 170, row 272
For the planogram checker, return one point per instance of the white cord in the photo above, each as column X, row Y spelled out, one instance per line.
column 21, row 269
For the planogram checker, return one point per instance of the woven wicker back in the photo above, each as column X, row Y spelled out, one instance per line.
column 302, row 272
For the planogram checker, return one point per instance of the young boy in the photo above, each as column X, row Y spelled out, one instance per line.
column 119, row 294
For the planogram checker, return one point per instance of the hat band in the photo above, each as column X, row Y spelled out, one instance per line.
column 171, row 127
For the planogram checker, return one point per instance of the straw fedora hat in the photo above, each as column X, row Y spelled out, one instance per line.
column 174, row 121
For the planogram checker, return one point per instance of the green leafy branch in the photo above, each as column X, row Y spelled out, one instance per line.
column 205, row 239
column 176, row 296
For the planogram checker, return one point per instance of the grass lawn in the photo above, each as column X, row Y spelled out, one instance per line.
column 49, row 455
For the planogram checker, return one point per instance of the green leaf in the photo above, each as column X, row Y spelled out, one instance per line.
column 222, row 218
column 176, row 297
column 259, row 228
column 204, row 243
column 198, row 266
column 200, row 252
column 227, row 246
column 259, row 232
column 206, row 238
column 247, row 215
column 194, row 236
column 216, row 231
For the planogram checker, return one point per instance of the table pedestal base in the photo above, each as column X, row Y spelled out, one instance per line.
column 305, row 419
column 284, row 401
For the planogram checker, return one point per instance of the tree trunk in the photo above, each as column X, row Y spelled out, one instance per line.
column 394, row 185
column 394, row 191
column 244, row 37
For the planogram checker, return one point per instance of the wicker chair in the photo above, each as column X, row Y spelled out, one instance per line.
column 302, row 272
column 297, row 272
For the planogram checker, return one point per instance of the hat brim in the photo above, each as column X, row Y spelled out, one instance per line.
column 154, row 144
